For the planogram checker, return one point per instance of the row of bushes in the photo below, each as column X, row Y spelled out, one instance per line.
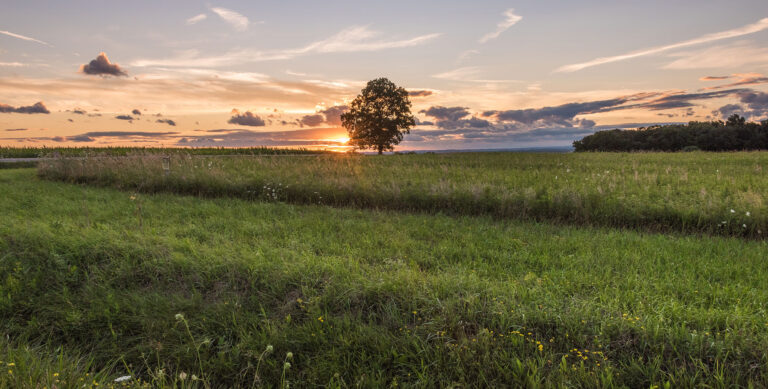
column 733, row 135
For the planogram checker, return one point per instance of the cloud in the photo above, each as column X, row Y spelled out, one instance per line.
column 22, row 37
column 17, row 129
column 136, row 112
column 510, row 19
column 102, row 67
column 737, row 32
column 78, row 111
column 38, row 107
column 467, row 74
column 734, row 56
column 246, row 119
column 166, row 121
column 730, row 109
column 353, row 39
column 124, row 117
column 454, row 118
column 329, row 116
column 420, row 93
column 560, row 115
column 714, row 78
column 754, row 105
column 682, row 100
column 236, row 20
column 196, row 19
column 12, row 64
column 743, row 80
column 80, row 138
column 246, row 138
column 128, row 134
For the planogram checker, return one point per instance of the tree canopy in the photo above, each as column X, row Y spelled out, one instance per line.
column 379, row 116
column 734, row 134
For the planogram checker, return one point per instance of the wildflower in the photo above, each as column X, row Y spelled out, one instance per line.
column 748, row 214
column 732, row 211
column 55, row 374
column 287, row 365
column 123, row 378
column 182, row 376
column 179, row 316
column 133, row 197
column 194, row 377
column 289, row 355
column 744, row 225
column 541, row 348
column 11, row 364
column 269, row 348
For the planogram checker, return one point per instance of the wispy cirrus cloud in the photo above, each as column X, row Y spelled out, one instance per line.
column 733, row 56
column 196, row 19
column 234, row 19
column 22, row 37
column 736, row 32
column 510, row 19
column 467, row 74
column 353, row 39
column 12, row 64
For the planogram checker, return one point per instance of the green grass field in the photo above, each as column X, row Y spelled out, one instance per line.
column 99, row 282
column 710, row 193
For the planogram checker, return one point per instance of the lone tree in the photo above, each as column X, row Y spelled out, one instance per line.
column 379, row 116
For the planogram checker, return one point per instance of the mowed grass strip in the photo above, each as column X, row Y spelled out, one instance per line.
column 144, row 283
column 710, row 193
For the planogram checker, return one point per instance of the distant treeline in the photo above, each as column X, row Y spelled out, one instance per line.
column 732, row 135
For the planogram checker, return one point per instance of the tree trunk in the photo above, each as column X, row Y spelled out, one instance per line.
column 381, row 149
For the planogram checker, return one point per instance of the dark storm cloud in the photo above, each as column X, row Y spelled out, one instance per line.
column 420, row 93
column 246, row 119
column 166, row 121
column 124, row 117
column 136, row 112
column 329, row 116
column 78, row 111
column 102, row 67
column 38, row 107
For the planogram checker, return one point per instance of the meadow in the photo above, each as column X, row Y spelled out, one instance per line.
column 43, row 152
column 705, row 193
column 297, row 271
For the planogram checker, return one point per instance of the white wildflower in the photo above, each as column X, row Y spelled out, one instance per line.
column 123, row 378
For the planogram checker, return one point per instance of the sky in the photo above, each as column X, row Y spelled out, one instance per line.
column 481, row 74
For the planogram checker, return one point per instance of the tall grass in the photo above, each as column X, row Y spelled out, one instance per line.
column 36, row 152
column 226, row 288
column 711, row 193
